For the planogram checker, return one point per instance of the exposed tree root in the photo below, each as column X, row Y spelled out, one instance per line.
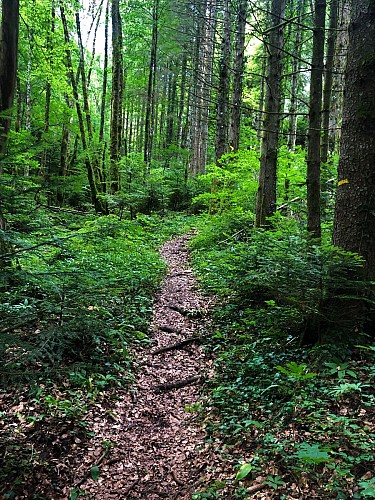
column 177, row 385
column 178, row 345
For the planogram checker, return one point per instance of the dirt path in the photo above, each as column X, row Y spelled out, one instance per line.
column 154, row 440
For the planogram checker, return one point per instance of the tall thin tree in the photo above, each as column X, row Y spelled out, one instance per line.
column 266, row 196
column 315, row 116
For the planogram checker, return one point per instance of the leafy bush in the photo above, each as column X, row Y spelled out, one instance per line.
column 301, row 418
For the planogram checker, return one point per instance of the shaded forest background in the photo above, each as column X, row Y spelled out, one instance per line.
column 126, row 122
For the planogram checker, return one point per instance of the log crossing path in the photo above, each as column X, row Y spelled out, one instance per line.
column 154, row 445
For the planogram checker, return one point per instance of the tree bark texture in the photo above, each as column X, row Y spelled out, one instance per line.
column 315, row 116
column 341, row 49
column 8, row 65
column 266, row 196
column 354, row 223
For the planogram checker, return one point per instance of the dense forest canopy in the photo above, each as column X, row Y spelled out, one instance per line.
column 124, row 122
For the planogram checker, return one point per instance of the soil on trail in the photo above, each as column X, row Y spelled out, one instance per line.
column 155, row 443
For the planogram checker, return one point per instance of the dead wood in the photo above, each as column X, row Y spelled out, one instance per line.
column 177, row 385
column 256, row 487
column 178, row 345
column 169, row 329
column 88, row 472
column 175, row 478
column 184, row 312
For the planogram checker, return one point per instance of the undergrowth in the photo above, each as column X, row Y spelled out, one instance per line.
column 74, row 305
column 290, row 420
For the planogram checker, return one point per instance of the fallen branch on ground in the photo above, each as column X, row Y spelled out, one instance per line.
column 178, row 345
column 169, row 329
column 256, row 487
column 177, row 385
column 190, row 314
column 176, row 480
column 88, row 472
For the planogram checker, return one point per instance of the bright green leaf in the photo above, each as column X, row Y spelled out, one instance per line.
column 244, row 470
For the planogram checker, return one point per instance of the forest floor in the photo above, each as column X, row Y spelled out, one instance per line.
column 153, row 444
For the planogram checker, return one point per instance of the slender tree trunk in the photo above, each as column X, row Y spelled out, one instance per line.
column 17, row 125
column 151, row 87
column 238, row 72
column 296, row 66
column 266, row 196
column 47, row 110
column 181, row 109
column 315, row 116
column 171, row 111
column 331, row 43
column 98, row 204
column 117, row 96
column 222, row 109
column 202, row 85
column 105, row 77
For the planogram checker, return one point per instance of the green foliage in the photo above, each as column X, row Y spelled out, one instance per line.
column 231, row 184
column 293, row 413
column 275, row 280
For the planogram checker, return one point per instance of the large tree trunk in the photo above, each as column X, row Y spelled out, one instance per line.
column 313, row 155
column 266, row 196
column 8, row 65
column 8, row 72
column 354, row 225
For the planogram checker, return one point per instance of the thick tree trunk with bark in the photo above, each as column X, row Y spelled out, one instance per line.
column 354, row 226
column 315, row 116
column 266, row 196
column 8, row 65
column 8, row 72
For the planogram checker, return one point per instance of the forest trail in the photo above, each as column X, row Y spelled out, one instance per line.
column 154, row 441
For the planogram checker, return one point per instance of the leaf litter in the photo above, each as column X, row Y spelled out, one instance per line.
column 153, row 442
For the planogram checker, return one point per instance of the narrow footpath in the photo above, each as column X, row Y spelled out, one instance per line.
column 153, row 442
